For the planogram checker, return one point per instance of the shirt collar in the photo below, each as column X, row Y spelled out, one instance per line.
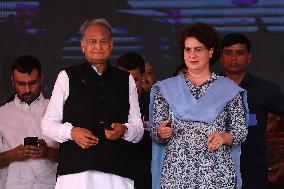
column 20, row 103
column 247, row 81
column 95, row 69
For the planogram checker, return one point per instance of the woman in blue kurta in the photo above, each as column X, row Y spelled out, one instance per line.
column 199, row 120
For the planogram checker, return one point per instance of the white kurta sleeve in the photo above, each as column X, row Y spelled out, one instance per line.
column 52, row 125
column 135, row 124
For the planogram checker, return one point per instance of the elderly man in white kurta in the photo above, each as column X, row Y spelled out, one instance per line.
column 95, row 115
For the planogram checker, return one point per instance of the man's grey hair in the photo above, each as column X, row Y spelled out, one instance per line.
column 100, row 21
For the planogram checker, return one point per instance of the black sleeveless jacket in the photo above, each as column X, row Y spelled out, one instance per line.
column 95, row 102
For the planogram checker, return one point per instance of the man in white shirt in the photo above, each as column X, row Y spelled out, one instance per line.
column 26, row 166
column 95, row 115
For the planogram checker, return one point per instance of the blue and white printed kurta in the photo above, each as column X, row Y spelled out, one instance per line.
column 188, row 163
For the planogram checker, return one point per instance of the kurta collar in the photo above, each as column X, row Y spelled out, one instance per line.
column 21, row 104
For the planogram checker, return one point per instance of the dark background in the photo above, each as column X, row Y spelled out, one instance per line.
column 48, row 29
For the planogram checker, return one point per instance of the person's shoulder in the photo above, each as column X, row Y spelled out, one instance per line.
column 6, row 107
column 118, row 71
column 226, row 80
column 227, row 85
column 115, row 72
column 75, row 71
column 172, row 79
column 45, row 101
column 74, row 67
column 263, row 83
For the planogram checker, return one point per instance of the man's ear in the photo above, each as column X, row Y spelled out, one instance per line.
column 41, row 79
column 111, row 44
column 12, row 80
column 249, row 58
column 83, row 46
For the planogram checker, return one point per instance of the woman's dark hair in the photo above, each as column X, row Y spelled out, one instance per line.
column 180, row 68
column 205, row 34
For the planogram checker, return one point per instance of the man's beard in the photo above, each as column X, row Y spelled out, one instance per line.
column 28, row 97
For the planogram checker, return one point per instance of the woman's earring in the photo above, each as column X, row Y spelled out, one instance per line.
column 211, row 52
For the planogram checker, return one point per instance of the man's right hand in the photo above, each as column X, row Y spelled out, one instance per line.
column 83, row 137
column 19, row 153
column 16, row 154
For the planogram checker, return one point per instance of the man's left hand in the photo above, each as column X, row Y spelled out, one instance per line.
column 117, row 132
column 39, row 151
